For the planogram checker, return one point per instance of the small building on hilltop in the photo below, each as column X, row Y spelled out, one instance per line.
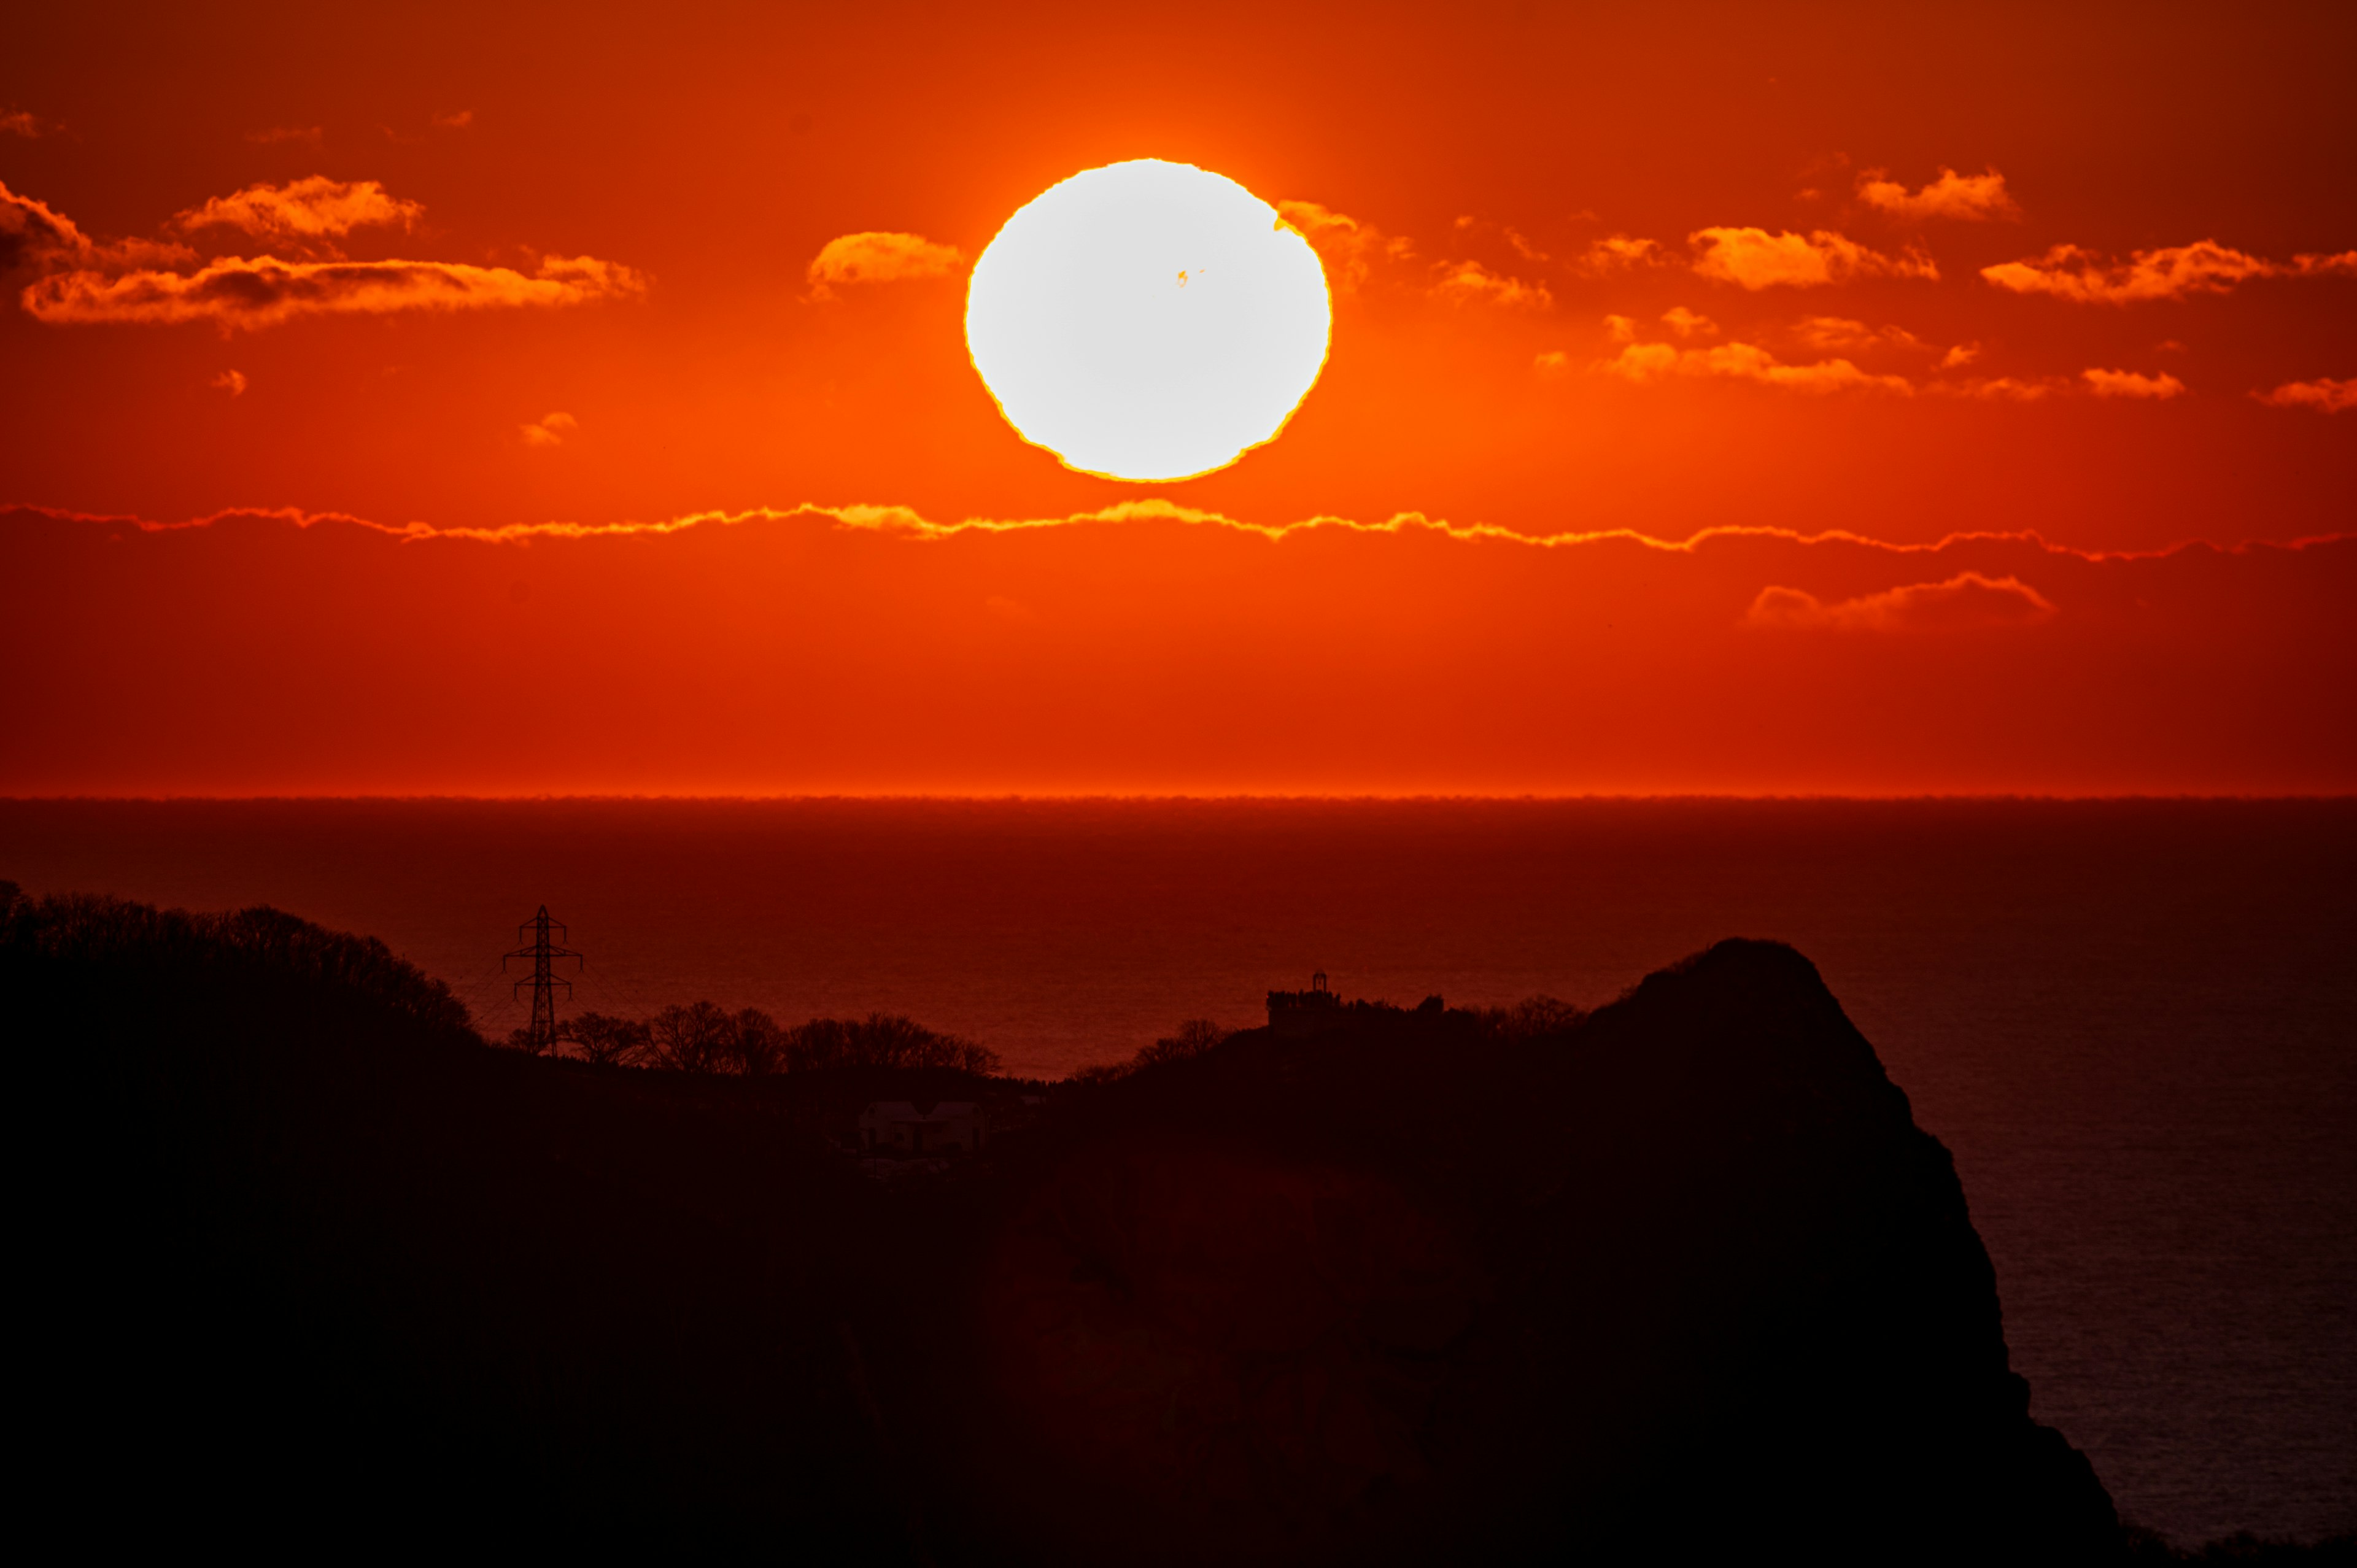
column 1304, row 1012
column 898, row 1127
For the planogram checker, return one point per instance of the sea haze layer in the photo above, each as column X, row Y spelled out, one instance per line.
column 2131, row 1021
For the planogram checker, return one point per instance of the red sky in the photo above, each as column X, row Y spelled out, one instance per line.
column 2009, row 352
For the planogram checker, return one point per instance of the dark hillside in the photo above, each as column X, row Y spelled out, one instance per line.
column 312, row 1263
column 318, row 1265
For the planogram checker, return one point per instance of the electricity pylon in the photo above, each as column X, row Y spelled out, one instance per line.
column 541, row 1038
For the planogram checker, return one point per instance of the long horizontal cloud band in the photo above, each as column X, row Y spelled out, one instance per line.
column 1155, row 649
column 263, row 292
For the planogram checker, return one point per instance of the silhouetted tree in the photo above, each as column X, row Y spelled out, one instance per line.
column 756, row 1045
column 1195, row 1037
column 1533, row 1017
column 230, row 948
column 606, row 1040
column 884, row 1041
column 820, row 1043
column 691, row 1040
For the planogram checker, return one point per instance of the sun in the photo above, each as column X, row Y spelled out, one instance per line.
column 1148, row 320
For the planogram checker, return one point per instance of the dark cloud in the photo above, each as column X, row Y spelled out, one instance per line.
column 233, row 291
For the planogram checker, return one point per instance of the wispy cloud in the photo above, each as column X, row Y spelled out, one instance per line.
column 24, row 123
column 1650, row 362
column 861, row 516
column 1967, row 602
column 549, row 430
column 1469, row 228
column 81, row 281
column 2324, row 394
column 2128, row 383
column 1970, row 197
column 2074, row 273
column 1618, row 253
column 1687, row 323
column 1842, row 335
column 1468, row 283
column 232, row 382
column 458, row 120
column 2004, row 389
column 33, row 233
column 1756, row 259
column 1350, row 248
column 36, row 235
column 870, row 257
column 233, row 292
column 313, row 208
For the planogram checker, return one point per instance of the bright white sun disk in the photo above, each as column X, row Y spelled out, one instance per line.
column 1148, row 320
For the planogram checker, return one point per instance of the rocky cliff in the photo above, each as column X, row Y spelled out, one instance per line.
column 309, row 1264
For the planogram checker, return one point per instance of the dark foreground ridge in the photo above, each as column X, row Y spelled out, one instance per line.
column 311, row 1265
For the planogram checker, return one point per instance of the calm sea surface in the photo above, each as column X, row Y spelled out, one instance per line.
column 2135, row 1023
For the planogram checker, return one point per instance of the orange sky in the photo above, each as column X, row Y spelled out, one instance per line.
column 1602, row 276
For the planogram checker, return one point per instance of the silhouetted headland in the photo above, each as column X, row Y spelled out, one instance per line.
column 1677, row 1278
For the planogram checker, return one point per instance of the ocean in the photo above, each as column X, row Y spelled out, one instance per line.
column 2135, row 1023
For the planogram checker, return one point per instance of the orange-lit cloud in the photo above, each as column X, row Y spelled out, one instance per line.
column 1469, row 226
column 315, row 208
column 232, row 382
column 1468, row 283
column 1644, row 362
column 549, row 430
column 1975, row 197
column 456, row 121
column 1756, row 259
column 872, row 257
column 1350, row 249
column 83, row 282
column 1842, row 335
column 2128, row 383
column 1150, row 516
column 21, row 123
column 1618, row 253
column 1966, row 602
column 233, row 292
column 2324, row 394
column 2005, row 389
column 2074, row 273
column 34, row 235
column 1687, row 323
column 32, row 232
